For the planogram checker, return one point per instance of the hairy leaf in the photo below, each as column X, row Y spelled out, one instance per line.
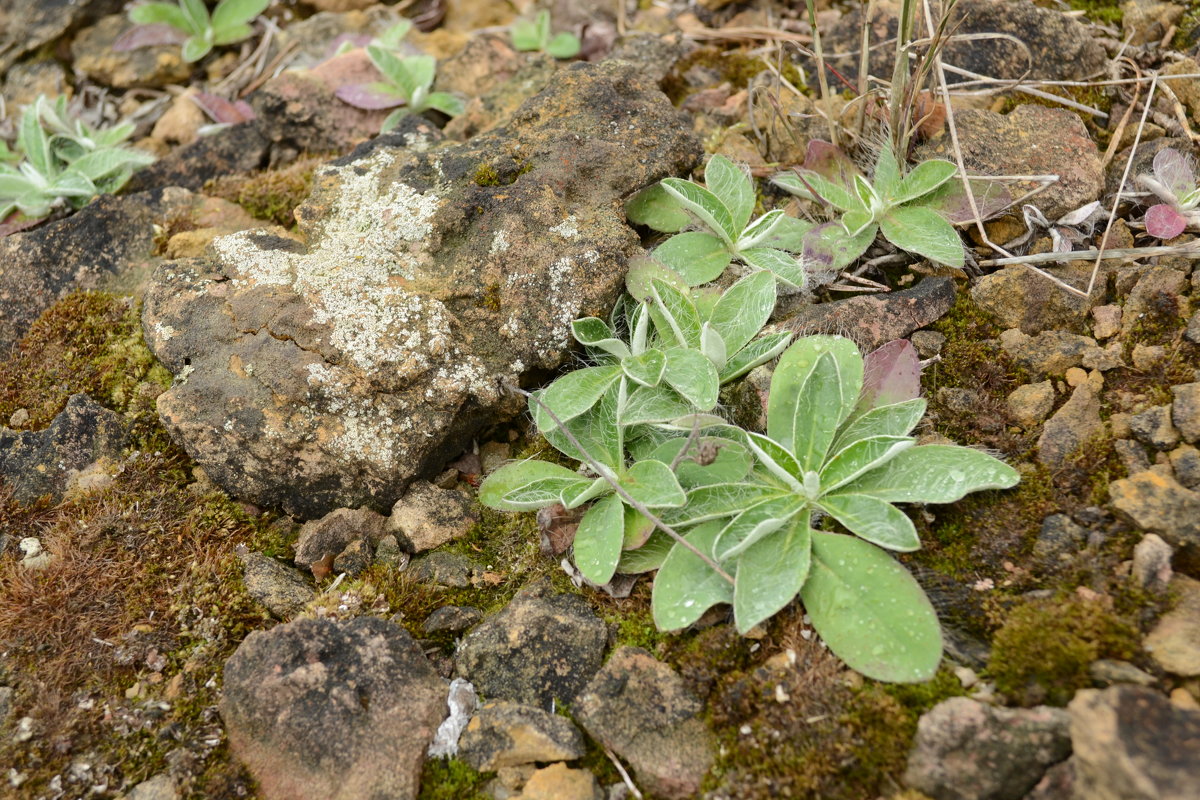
column 598, row 540
column 934, row 473
column 656, row 208
column 872, row 519
column 685, row 586
column 814, row 388
column 920, row 230
column 705, row 206
column 771, row 572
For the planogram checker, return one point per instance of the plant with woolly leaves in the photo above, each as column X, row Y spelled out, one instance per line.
column 536, row 35
column 1174, row 182
column 839, row 447
column 65, row 160
column 228, row 24
column 903, row 207
column 722, row 208
column 407, row 86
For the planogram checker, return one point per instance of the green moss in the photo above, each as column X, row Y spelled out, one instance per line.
column 734, row 67
column 1188, row 31
column 486, row 175
column 503, row 172
column 451, row 779
column 1042, row 651
column 1106, row 11
column 270, row 195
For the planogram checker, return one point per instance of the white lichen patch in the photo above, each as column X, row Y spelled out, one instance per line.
column 165, row 332
column 500, row 243
column 567, row 229
column 561, row 294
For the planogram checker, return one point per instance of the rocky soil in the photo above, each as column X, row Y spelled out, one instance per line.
column 246, row 403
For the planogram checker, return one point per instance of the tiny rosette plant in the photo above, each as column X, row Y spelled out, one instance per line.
column 902, row 207
column 837, row 448
column 536, row 35
column 228, row 24
column 722, row 210
column 407, row 86
column 1174, row 182
column 65, row 160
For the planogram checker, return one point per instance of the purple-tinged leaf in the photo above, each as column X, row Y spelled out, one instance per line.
column 1164, row 222
column 951, row 202
column 830, row 162
column 1174, row 172
column 148, row 36
column 891, row 374
column 222, row 110
column 369, row 96
column 829, row 247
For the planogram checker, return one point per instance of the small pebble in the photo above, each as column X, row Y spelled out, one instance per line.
column 19, row 418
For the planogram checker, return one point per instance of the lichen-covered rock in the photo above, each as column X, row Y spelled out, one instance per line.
column 1153, row 427
column 1030, row 403
column 1131, row 743
column 560, row 782
column 505, row 734
column 540, row 648
column 1157, row 503
column 641, row 709
column 36, row 463
column 1185, row 410
column 968, row 750
column 278, row 588
column 333, row 375
column 25, row 26
column 1054, row 352
column 1020, row 298
column 323, row 710
column 428, row 517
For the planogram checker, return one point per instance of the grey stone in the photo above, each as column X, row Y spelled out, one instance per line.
column 427, row 517
column 280, row 589
column 1072, row 426
column 332, row 710
column 1175, row 641
column 1108, row 671
column 1131, row 743
column 560, row 782
column 967, row 750
column 1185, row 463
column 1192, row 333
column 505, row 734
column 444, row 569
column 540, row 648
column 1059, row 536
column 377, row 350
column 928, row 343
column 355, row 559
column 1153, row 427
column 1158, row 294
column 641, row 709
column 1185, row 410
column 25, row 26
column 1152, row 562
column 1156, row 503
column 452, row 619
column 1053, row 352
column 160, row 787
column 1132, row 455
column 36, row 463
column 327, row 537
column 388, row 552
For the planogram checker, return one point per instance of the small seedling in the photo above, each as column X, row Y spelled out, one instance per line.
column 406, row 86
column 902, row 207
column 536, row 36
column 1173, row 182
column 64, row 160
column 228, row 24
column 723, row 208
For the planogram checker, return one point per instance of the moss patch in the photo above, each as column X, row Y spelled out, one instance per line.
column 451, row 779
column 270, row 195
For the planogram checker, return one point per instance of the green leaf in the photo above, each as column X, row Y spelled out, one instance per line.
column 705, row 206
column 596, row 430
column 230, row 13
column 32, row 141
column 927, row 176
column 858, row 222
column 563, row 45
column 876, row 521
column 830, row 247
column 720, row 500
column 887, row 173
column 759, row 351
column 788, row 233
column 595, row 332
column 778, row 461
column 859, row 457
column 730, row 463
column 685, row 587
column 520, row 474
column 897, row 419
column 541, row 24
column 743, row 309
column 922, row 231
column 573, row 394
column 448, row 104
column 813, row 390
column 393, row 119
column 754, row 523
column 195, row 48
column 232, row 34
column 656, row 208
column 643, row 270
column 733, row 188
column 646, row 369
column 870, row 611
column 648, row 557
column 811, row 186
column 525, row 36
column 784, row 266
column 934, row 473
column 696, row 256
column 655, row 404
column 770, row 574
column 652, row 484
column 198, row 21
column 160, row 14
column 761, row 229
column 678, row 312
column 598, row 540
column 100, row 163
column 638, row 529
column 690, row 373
column 577, row 495
column 395, row 34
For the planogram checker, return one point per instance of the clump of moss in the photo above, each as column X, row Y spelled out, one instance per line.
column 88, row 342
column 486, row 175
column 270, row 195
column 451, row 779
column 503, row 172
column 1042, row 651
column 731, row 66
column 1107, row 11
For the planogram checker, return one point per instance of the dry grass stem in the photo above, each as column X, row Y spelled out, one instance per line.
column 1190, row 249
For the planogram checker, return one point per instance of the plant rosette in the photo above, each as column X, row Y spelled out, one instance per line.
column 407, row 86
column 190, row 24
column 536, row 36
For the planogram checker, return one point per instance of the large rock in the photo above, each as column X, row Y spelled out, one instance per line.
column 327, row 710
column 92, row 54
column 541, row 648
column 642, row 710
column 334, row 374
column 504, row 734
column 967, row 750
column 36, row 463
column 1131, row 743
column 26, row 26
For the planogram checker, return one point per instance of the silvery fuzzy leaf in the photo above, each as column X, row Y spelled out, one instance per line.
column 733, row 187
column 685, row 586
column 656, row 208
column 598, row 540
column 743, row 309
column 1173, row 171
column 813, row 390
column 573, row 394
column 652, row 484
column 933, row 473
column 520, row 475
column 770, row 573
column 705, row 206
column 874, row 520
column 756, row 522
column 690, row 373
